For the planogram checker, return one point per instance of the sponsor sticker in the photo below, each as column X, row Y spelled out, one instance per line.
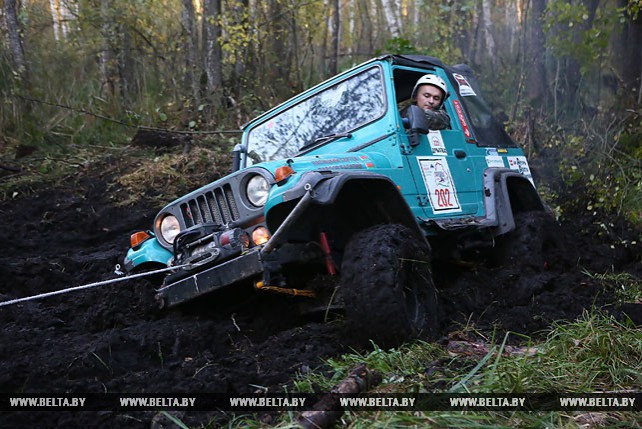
column 520, row 164
column 462, row 119
column 465, row 90
column 436, row 143
column 495, row 161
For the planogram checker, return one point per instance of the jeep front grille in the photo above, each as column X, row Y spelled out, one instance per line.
column 217, row 206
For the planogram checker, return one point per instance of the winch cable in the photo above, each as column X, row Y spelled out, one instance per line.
column 90, row 285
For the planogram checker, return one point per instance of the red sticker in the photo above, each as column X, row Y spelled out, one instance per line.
column 462, row 119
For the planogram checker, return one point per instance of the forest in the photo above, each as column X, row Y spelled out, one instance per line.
column 564, row 76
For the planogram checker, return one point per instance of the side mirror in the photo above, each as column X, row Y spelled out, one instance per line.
column 236, row 157
column 417, row 123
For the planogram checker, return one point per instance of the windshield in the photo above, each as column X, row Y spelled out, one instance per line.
column 340, row 108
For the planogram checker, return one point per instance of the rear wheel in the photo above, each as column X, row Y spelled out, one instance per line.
column 387, row 286
column 537, row 243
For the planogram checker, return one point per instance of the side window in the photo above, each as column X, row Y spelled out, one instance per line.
column 487, row 130
column 438, row 113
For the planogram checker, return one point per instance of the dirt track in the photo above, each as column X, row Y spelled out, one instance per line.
column 111, row 339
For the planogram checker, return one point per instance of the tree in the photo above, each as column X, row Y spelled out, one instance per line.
column 213, row 54
column 628, row 50
column 16, row 48
column 192, row 75
column 535, row 54
column 335, row 25
column 107, row 58
column 489, row 38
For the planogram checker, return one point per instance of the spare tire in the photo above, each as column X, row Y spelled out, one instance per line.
column 387, row 286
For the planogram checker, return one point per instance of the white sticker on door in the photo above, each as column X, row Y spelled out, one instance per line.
column 494, row 161
column 436, row 143
column 439, row 184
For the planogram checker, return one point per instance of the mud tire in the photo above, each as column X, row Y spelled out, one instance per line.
column 536, row 243
column 387, row 286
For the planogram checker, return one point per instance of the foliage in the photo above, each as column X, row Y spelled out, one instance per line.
column 573, row 33
column 606, row 164
column 271, row 50
column 399, row 45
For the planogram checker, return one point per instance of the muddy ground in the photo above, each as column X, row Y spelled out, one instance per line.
column 111, row 339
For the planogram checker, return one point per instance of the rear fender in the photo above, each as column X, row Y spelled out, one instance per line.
column 507, row 192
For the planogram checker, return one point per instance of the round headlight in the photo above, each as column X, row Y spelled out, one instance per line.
column 257, row 190
column 169, row 228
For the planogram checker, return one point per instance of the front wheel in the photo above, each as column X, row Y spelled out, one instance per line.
column 387, row 286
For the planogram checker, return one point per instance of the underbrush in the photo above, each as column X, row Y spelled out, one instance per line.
column 130, row 173
column 595, row 353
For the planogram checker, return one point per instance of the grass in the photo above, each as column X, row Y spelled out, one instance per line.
column 594, row 353
column 626, row 286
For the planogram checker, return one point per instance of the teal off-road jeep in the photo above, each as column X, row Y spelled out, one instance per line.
column 336, row 184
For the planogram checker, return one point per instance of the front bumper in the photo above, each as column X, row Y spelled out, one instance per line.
column 213, row 278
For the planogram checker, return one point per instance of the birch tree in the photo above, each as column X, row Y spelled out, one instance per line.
column 391, row 10
column 192, row 75
column 487, row 31
column 16, row 47
column 213, row 55
column 335, row 25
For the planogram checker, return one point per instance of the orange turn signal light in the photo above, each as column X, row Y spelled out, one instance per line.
column 138, row 238
column 260, row 236
column 282, row 173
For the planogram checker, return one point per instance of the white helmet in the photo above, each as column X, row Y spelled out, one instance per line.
column 430, row 79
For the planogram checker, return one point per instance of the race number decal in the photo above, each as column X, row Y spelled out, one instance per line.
column 439, row 184
column 436, row 143
column 520, row 164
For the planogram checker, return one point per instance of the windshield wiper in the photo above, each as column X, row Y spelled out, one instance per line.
column 324, row 139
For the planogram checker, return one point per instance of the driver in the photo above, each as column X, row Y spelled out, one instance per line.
column 429, row 93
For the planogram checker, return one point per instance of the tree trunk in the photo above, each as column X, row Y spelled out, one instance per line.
column 512, row 25
column 335, row 26
column 364, row 43
column 213, row 55
column 489, row 39
column 277, row 71
column 125, row 65
column 535, row 65
column 192, row 75
column 573, row 69
column 55, row 17
column 18, row 59
column 392, row 16
column 108, row 72
column 628, row 56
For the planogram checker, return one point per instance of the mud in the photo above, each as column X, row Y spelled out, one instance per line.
column 112, row 339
